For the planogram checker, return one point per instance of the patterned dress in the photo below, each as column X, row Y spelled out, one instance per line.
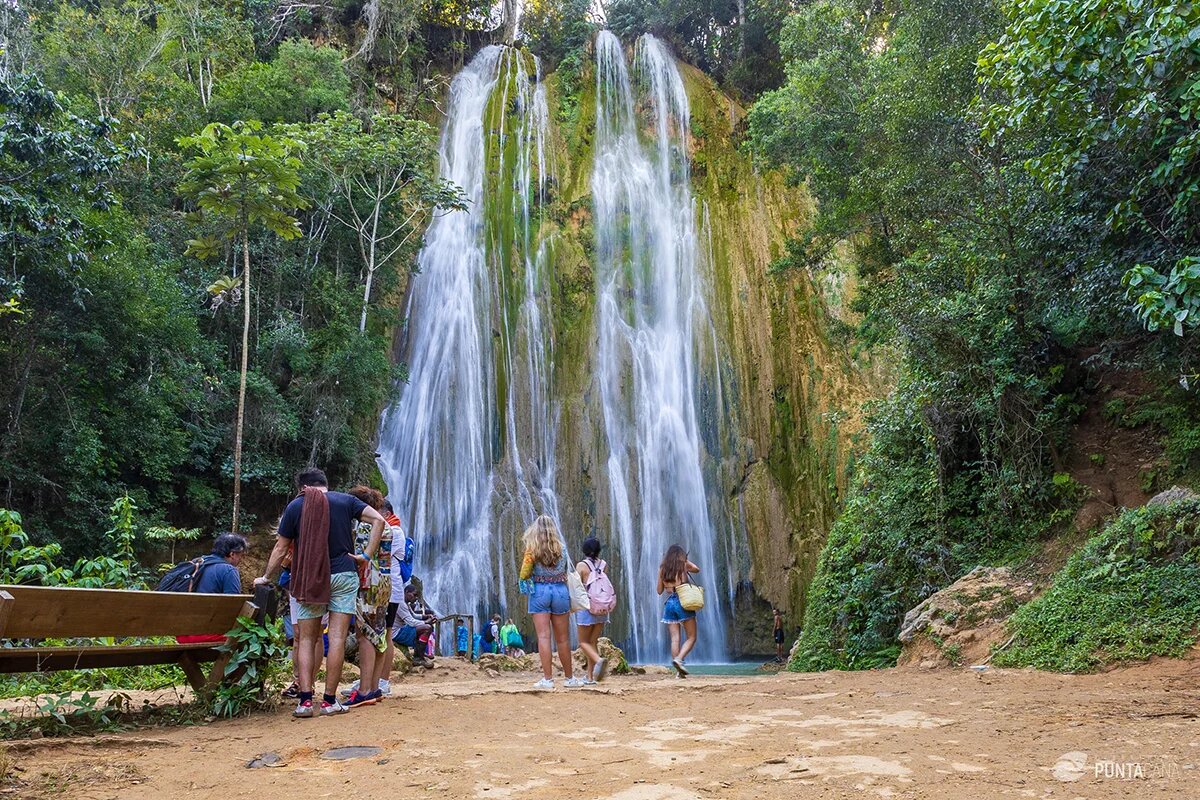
column 375, row 587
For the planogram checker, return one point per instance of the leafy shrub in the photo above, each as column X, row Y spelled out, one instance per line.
column 909, row 529
column 257, row 663
column 1132, row 592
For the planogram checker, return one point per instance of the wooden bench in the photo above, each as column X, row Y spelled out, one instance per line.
column 38, row 612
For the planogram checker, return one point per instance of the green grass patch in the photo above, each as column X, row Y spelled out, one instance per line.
column 1132, row 592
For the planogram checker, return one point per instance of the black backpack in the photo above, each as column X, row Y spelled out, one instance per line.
column 184, row 576
column 487, row 633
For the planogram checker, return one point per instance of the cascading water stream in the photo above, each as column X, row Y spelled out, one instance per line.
column 649, row 304
column 454, row 422
column 469, row 447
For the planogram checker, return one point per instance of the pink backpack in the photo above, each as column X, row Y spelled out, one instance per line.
column 600, row 590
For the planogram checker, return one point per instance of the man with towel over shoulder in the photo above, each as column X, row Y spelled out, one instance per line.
column 319, row 526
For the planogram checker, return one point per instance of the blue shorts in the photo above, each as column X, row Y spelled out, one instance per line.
column 585, row 617
column 406, row 636
column 673, row 612
column 550, row 598
column 343, row 598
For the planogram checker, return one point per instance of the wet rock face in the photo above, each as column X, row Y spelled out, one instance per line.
column 778, row 424
column 959, row 624
column 780, row 451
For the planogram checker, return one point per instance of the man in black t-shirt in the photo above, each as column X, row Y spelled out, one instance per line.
column 344, row 512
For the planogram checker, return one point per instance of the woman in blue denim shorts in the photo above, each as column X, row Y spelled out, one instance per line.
column 545, row 562
column 674, row 570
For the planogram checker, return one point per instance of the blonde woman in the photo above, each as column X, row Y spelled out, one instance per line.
column 545, row 562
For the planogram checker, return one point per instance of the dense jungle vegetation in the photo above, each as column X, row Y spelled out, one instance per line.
column 124, row 271
column 1014, row 184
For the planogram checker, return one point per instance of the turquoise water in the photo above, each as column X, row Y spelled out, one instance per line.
column 737, row 668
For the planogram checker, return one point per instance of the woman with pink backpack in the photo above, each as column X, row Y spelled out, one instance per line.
column 593, row 571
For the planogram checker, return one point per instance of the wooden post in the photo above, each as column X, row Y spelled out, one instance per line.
column 267, row 604
column 6, row 607
column 471, row 638
column 191, row 668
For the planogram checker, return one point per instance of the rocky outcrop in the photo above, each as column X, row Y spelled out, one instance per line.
column 1175, row 494
column 617, row 665
column 959, row 624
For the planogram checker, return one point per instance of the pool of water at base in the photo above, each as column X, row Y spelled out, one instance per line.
column 735, row 668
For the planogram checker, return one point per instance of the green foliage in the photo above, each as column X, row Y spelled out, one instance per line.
column 906, row 531
column 1105, row 98
column 1172, row 417
column 966, row 270
column 115, row 375
column 380, row 179
column 22, row 562
column 1132, row 592
column 64, row 715
column 1166, row 301
column 739, row 50
column 66, row 165
column 257, row 663
column 172, row 536
column 301, row 82
column 118, row 567
column 560, row 33
column 242, row 177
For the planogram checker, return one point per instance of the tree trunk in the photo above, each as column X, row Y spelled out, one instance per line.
column 362, row 321
column 241, row 411
column 512, row 18
column 741, row 11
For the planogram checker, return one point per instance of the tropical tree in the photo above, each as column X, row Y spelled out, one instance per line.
column 1105, row 97
column 379, row 172
column 242, row 178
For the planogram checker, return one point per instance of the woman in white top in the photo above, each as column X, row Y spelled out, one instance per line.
column 590, row 625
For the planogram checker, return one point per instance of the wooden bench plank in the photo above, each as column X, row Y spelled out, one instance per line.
column 51, row 659
column 56, row 612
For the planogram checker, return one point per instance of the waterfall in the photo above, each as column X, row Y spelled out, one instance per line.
column 651, row 319
column 468, row 449
column 457, row 453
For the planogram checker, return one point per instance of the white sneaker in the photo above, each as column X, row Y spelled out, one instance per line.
column 601, row 670
column 575, row 683
column 544, row 685
column 385, row 687
column 345, row 693
column 328, row 709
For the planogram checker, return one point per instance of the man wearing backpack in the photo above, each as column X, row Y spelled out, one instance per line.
column 216, row 573
column 491, row 635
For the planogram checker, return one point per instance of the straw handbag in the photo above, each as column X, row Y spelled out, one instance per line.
column 691, row 596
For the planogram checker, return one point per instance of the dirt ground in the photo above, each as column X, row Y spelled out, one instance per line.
column 455, row 733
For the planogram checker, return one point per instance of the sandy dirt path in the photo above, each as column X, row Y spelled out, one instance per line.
column 902, row 733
